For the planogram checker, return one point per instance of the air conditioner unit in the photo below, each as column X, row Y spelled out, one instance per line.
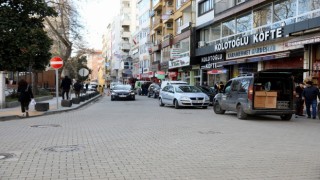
column 169, row 25
column 170, row 3
column 201, row 43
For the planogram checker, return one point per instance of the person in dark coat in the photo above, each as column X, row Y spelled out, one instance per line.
column 299, row 100
column 77, row 86
column 65, row 85
column 310, row 95
column 25, row 96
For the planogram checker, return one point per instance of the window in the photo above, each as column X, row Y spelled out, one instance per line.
column 204, row 34
column 235, row 85
column 205, row 7
column 284, row 9
column 228, row 28
column 178, row 23
column 262, row 16
column 215, row 32
column 308, row 5
column 244, row 23
column 244, row 85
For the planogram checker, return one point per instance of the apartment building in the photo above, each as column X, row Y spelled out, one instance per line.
column 243, row 36
column 170, row 33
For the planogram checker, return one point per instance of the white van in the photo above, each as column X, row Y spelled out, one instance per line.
column 164, row 83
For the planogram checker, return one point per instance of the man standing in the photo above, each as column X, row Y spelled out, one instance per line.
column 310, row 95
column 299, row 100
column 65, row 85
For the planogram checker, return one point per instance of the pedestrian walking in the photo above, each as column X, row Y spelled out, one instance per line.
column 77, row 86
column 299, row 99
column 25, row 96
column 310, row 95
column 65, row 85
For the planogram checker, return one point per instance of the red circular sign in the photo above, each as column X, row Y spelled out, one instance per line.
column 56, row 62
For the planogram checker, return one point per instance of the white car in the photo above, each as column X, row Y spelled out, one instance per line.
column 180, row 95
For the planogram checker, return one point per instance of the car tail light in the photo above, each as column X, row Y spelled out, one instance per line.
column 250, row 92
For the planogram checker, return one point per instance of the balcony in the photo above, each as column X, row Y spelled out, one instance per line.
column 157, row 23
column 158, row 6
column 125, row 34
column 167, row 16
column 125, row 46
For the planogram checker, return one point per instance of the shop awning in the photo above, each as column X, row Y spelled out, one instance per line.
column 269, row 57
column 231, row 62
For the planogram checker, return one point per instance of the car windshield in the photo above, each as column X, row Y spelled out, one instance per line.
column 187, row 89
column 122, row 87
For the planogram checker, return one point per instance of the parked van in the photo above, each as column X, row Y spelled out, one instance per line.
column 269, row 92
column 165, row 83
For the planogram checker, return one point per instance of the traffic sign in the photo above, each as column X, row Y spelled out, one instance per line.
column 83, row 72
column 56, row 62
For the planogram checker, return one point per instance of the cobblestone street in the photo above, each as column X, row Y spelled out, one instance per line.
column 140, row 140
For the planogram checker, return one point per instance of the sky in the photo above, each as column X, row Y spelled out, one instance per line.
column 97, row 14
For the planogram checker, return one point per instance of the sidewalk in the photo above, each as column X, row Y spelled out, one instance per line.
column 15, row 112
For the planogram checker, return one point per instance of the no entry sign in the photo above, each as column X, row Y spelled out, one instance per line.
column 56, row 62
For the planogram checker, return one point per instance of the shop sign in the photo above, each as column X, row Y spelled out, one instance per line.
column 184, row 61
column 245, row 40
column 209, row 62
column 217, row 71
column 254, row 51
column 175, row 53
column 303, row 41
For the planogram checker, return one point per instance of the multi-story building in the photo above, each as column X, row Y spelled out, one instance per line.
column 107, row 53
column 142, row 42
column 171, row 24
column 243, row 36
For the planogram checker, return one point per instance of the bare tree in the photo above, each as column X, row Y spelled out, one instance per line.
column 65, row 29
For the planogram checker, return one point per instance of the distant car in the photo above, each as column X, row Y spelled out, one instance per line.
column 154, row 90
column 208, row 91
column 122, row 91
column 180, row 95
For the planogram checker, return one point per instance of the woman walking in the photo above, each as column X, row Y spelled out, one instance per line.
column 25, row 96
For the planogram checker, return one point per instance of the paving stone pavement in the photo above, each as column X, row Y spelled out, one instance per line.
column 140, row 140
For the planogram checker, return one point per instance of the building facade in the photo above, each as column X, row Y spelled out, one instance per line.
column 246, row 36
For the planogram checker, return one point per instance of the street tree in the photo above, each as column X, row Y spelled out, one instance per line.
column 65, row 29
column 24, row 45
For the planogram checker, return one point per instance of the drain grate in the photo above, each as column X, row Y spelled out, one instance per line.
column 68, row 148
column 4, row 156
column 46, row 125
column 210, row 132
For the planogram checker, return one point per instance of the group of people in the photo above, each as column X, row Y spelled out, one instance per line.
column 26, row 95
column 307, row 94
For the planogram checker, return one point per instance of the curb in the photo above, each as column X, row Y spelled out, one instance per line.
column 16, row 117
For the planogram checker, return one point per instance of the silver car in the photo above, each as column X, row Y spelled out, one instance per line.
column 180, row 95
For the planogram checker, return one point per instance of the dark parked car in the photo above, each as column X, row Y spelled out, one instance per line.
column 123, row 91
column 268, row 92
column 208, row 91
column 154, row 90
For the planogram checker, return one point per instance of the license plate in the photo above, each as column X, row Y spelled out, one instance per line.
column 197, row 101
column 122, row 96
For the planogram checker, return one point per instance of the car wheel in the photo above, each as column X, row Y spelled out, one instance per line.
column 240, row 113
column 217, row 108
column 176, row 104
column 160, row 102
column 286, row 117
column 133, row 98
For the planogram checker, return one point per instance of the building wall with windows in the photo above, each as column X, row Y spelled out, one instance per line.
column 253, row 36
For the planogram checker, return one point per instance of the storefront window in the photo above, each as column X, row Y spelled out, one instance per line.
column 283, row 10
column 215, row 32
column 262, row 16
column 244, row 23
column 308, row 5
column 228, row 28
